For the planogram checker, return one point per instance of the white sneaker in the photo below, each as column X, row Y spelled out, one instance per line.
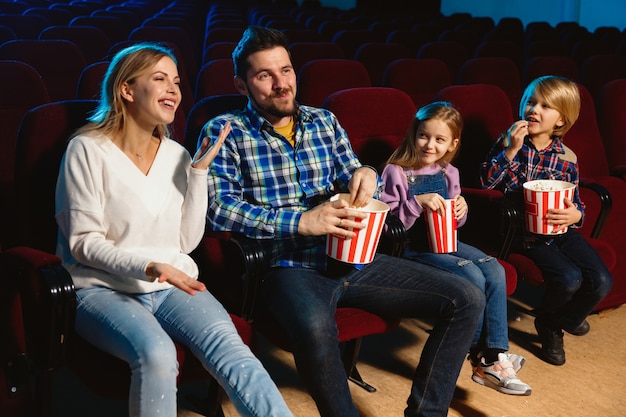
column 501, row 375
column 516, row 360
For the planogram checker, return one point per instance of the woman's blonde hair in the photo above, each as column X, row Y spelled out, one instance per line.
column 560, row 94
column 128, row 64
column 406, row 154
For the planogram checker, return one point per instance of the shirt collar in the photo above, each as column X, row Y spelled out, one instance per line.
column 555, row 147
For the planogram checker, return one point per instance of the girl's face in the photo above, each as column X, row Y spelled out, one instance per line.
column 433, row 140
column 542, row 119
column 155, row 95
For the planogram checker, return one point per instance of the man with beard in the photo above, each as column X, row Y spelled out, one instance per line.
column 272, row 180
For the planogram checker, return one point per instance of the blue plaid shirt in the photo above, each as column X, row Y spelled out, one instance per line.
column 555, row 162
column 260, row 185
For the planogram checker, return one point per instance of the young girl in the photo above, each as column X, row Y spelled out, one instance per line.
column 131, row 205
column 419, row 175
column 576, row 279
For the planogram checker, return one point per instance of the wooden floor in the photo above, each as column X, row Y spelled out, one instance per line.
column 591, row 383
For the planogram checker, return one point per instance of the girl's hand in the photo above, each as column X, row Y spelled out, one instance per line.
column 167, row 273
column 432, row 201
column 564, row 217
column 205, row 155
column 460, row 207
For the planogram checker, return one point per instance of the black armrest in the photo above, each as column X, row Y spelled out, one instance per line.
column 606, row 205
column 48, row 303
column 394, row 237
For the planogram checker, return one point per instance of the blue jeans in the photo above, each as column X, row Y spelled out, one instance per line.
column 488, row 275
column 576, row 279
column 304, row 301
column 139, row 329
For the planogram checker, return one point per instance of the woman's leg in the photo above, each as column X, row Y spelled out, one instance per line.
column 201, row 323
column 121, row 325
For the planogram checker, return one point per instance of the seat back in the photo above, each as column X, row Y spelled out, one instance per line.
column 90, row 80
column 92, row 41
column 377, row 55
column 454, row 54
column 41, row 142
column 319, row 78
column 498, row 71
column 58, row 62
column 421, row 79
column 26, row 90
column 303, row 52
column 486, row 112
column 597, row 70
column 375, row 119
column 204, row 110
column 563, row 66
column 215, row 78
column 611, row 120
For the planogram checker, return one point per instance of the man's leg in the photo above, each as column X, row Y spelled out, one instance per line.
column 304, row 303
column 397, row 287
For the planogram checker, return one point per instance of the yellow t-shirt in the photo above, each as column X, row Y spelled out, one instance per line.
column 288, row 131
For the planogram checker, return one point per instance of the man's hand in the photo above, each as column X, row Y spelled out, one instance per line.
column 362, row 186
column 331, row 217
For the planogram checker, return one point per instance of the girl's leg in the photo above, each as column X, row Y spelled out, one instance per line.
column 486, row 273
column 201, row 323
column 121, row 325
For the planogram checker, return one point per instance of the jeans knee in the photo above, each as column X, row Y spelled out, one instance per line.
column 157, row 360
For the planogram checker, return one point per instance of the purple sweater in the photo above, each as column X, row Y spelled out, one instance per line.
column 396, row 191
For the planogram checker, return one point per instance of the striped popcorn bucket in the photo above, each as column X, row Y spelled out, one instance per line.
column 541, row 196
column 441, row 229
column 361, row 248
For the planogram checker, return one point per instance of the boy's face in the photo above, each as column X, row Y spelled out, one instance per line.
column 271, row 84
column 542, row 119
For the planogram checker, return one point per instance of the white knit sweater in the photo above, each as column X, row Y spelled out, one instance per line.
column 113, row 220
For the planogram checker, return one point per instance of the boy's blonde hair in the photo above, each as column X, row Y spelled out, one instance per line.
column 559, row 93
column 406, row 154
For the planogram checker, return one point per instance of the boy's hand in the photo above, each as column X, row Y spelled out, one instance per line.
column 564, row 217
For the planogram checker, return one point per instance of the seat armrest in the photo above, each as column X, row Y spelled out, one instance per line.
column 394, row 236
column 606, row 205
column 244, row 263
column 48, row 303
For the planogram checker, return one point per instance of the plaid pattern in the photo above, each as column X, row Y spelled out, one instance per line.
column 497, row 172
column 259, row 184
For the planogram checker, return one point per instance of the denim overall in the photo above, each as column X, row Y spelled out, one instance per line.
column 468, row 262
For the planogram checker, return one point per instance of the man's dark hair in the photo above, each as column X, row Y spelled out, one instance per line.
column 255, row 39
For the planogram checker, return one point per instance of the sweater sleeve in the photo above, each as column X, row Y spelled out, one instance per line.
column 396, row 195
column 194, row 209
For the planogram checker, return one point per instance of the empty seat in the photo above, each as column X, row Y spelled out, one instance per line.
column 421, row 79
column 498, row 71
column 215, row 78
column 92, row 41
column 58, row 62
column 563, row 66
column 320, row 77
column 303, row 52
column 377, row 55
column 453, row 54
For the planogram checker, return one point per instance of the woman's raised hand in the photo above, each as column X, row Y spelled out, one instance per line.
column 205, row 155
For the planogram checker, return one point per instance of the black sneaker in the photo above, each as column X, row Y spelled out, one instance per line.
column 580, row 330
column 551, row 343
